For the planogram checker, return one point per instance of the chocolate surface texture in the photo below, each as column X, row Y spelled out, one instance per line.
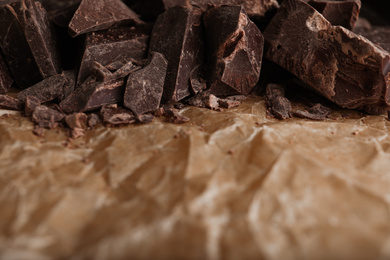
column 340, row 65
column 234, row 52
column 6, row 79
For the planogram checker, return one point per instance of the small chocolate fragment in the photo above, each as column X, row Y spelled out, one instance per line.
column 125, row 70
column 343, row 13
column 235, row 50
column 114, row 45
column 212, row 102
column 8, row 102
column 174, row 116
column 114, row 115
column 100, row 72
column 232, row 101
column 254, row 8
column 145, row 119
column 197, row 83
column 27, row 42
column 340, row 65
column 93, row 119
column 31, row 104
column 316, row 112
column 46, row 117
column 144, row 87
column 178, row 35
column 70, row 84
column 6, row 79
column 93, row 95
column 97, row 15
column 46, row 90
column 77, row 122
column 279, row 106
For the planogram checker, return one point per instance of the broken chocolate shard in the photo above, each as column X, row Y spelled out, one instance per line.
column 114, row 45
column 27, row 42
column 343, row 13
column 232, row 101
column 97, row 15
column 77, row 123
column 254, row 8
column 279, row 106
column 93, row 120
column 100, row 72
column 114, row 115
column 6, row 79
column 46, row 90
column 212, row 102
column 174, row 116
column 144, row 87
column 70, row 84
column 93, row 95
column 46, row 117
column 125, row 70
column 8, row 102
column 178, row 35
column 30, row 105
column 316, row 112
column 340, row 65
column 235, row 50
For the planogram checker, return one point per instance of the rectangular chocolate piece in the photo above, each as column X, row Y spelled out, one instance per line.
column 122, row 44
column 178, row 35
column 6, row 79
column 27, row 42
column 145, row 87
column 92, row 95
column 343, row 13
column 342, row 66
column 96, row 15
column 235, row 50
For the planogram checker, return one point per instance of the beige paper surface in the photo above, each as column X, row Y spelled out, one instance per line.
column 228, row 185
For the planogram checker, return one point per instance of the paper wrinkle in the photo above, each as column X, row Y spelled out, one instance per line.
column 235, row 184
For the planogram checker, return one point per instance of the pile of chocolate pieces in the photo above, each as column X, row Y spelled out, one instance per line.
column 80, row 62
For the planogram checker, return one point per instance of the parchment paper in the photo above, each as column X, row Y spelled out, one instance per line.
column 236, row 184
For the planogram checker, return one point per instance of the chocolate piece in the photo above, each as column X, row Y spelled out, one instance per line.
column 316, row 112
column 114, row 115
column 144, row 87
column 178, row 35
column 232, row 101
column 31, row 104
column 145, row 119
column 96, row 15
column 344, row 13
column 46, row 90
column 93, row 119
column 235, row 50
column 100, row 72
column 27, row 42
column 6, row 79
column 125, row 70
column 70, row 84
column 114, row 45
column 279, row 106
column 46, row 117
column 254, row 8
column 174, row 116
column 103, row 74
column 340, row 65
column 93, row 95
column 197, row 83
column 212, row 102
column 7, row 102
column 77, row 122
column 379, row 35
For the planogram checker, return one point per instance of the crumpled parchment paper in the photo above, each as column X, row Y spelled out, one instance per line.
column 235, row 184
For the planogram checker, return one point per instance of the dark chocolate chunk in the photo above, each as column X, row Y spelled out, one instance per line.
column 379, row 35
column 344, row 13
column 8, row 102
column 31, row 104
column 27, row 42
column 254, row 8
column 316, row 112
column 144, row 87
column 232, row 101
column 46, row 90
column 114, row 45
column 279, row 106
column 125, row 70
column 235, row 50
column 178, row 35
column 77, row 122
column 6, row 79
column 70, row 84
column 93, row 95
column 96, row 15
column 100, row 72
column 340, row 65
column 114, row 115
column 46, row 117
column 93, row 119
